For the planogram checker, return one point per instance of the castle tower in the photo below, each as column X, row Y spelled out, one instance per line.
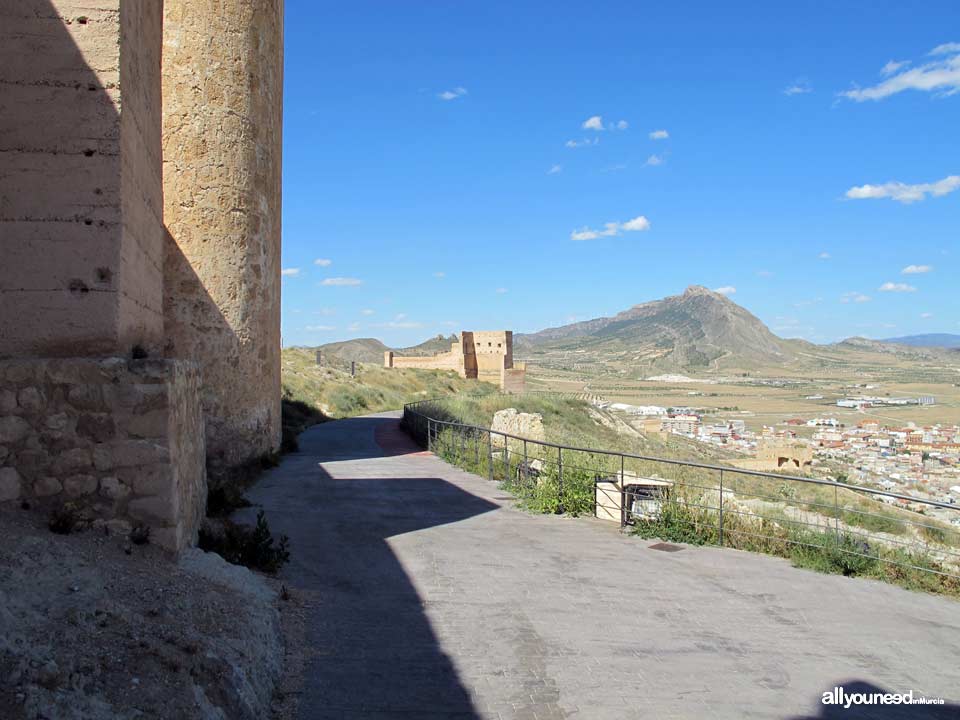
column 222, row 86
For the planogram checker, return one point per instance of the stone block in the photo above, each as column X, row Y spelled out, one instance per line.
column 118, row 527
column 13, row 429
column 129, row 453
column 9, row 484
column 8, row 401
column 57, row 422
column 99, row 427
column 77, row 485
column 112, row 488
column 148, row 480
column 152, row 424
column 155, row 511
column 30, row 399
column 47, row 486
column 86, row 397
column 3, row 453
column 72, row 460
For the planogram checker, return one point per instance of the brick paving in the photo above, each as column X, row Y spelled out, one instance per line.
column 433, row 597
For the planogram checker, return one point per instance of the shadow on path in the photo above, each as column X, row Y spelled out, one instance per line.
column 373, row 652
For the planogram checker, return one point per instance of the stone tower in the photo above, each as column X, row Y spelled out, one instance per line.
column 222, row 86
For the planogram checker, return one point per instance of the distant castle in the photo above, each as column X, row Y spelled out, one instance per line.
column 481, row 355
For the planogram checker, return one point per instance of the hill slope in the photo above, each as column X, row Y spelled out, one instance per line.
column 697, row 329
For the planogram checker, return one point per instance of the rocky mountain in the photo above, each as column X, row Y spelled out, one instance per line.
column 368, row 350
column 698, row 329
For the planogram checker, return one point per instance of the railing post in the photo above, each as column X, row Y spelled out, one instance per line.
column 836, row 514
column 526, row 463
column 490, row 454
column 559, row 480
column 623, row 492
column 721, row 508
column 429, row 435
column 476, row 449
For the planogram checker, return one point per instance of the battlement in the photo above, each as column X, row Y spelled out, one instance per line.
column 479, row 355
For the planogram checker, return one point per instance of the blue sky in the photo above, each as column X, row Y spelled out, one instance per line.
column 803, row 156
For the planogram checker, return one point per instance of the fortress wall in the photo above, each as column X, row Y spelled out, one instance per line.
column 222, row 86
column 120, row 440
column 443, row 361
column 79, row 177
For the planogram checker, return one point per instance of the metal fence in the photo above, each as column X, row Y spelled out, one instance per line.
column 855, row 529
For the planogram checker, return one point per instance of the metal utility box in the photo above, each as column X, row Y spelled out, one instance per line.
column 630, row 497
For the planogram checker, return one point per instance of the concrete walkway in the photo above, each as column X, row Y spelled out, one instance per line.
column 434, row 598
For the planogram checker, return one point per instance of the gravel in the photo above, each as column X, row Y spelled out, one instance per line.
column 94, row 628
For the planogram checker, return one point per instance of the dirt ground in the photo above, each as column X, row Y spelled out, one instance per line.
column 94, row 628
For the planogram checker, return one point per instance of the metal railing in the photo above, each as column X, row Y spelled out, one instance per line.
column 851, row 526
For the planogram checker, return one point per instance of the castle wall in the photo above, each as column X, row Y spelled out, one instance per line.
column 120, row 441
column 222, row 88
column 80, row 194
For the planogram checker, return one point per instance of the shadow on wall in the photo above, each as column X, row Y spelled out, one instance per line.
column 374, row 652
column 835, row 711
column 195, row 320
column 60, row 191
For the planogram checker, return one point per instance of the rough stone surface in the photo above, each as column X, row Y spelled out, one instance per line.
column 513, row 422
column 222, row 149
column 65, row 453
column 429, row 595
column 89, row 631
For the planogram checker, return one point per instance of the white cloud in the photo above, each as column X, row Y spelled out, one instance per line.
column 554, row 169
column 320, row 328
column 800, row 86
column 594, row 122
column 896, row 287
column 586, row 142
column 439, row 274
column 892, row 66
column 949, row 48
column 612, row 229
column 654, row 160
column 353, row 327
column 325, row 311
column 941, row 75
column 342, row 282
column 725, row 290
column 854, row 297
column 367, row 311
column 622, row 125
column 926, row 315
column 901, row 192
column 501, row 291
column 824, row 256
column 323, row 262
column 916, row 269
column 290, row 272
column 659, row 135
column 457, row 92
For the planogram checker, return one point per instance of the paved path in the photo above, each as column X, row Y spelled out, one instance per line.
column 435, row 598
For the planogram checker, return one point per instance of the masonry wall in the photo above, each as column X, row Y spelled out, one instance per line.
column 120, row 441
column 80, row 195
column 222, row 70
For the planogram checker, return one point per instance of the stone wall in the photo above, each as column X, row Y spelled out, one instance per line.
column 222, row 117
column 80, row 194
column 121, row 440
column 513, row 422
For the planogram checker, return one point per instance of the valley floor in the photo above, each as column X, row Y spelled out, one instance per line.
column 426, row 594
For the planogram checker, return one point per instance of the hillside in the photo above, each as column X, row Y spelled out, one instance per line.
column 365, row 350
column 337, row 394
column 698, row 329
column 434, row 345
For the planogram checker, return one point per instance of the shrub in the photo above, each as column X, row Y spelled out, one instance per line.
column 251, row 547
